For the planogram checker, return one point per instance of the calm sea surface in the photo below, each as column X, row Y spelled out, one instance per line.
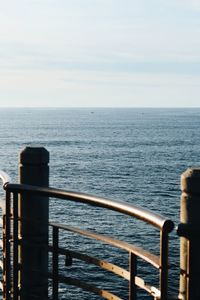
column 135, row 155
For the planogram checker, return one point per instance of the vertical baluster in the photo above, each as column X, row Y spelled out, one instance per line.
column 4, row 256
column 55, row 262
column 15, row 246
column 133, row 272
column 164, row 265
column 7, row 270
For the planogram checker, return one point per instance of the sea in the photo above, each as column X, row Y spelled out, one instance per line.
column 136, row 155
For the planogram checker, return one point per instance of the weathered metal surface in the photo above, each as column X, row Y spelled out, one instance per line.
column 133, row 273
column 55, row 262
column 120, row 206
column 93, row 260
column 15, row 246
column 147, row 256
column 12, row 236
column 88, row 287
column 7, row 251
column 164, row 266
column 109, row 267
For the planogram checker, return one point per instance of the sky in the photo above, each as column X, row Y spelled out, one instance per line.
column 107, row 53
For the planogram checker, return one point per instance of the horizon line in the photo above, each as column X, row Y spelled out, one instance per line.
column 97, row 107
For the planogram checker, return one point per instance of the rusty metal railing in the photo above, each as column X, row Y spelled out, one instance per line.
column 4, row 243
column 12, row 241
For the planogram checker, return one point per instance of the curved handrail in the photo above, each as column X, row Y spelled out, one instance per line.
column 145, row 215
column 4, row 177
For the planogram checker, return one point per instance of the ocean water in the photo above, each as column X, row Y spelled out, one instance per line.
column 134, row 155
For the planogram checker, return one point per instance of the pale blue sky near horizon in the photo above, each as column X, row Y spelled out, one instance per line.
column 100, row 53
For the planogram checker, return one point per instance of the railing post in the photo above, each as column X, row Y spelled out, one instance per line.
column 189, row 230
column 34, row 214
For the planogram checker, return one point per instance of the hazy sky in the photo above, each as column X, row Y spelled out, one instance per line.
column 100, row 53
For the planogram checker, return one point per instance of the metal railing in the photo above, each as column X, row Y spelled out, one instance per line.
column 12, row 241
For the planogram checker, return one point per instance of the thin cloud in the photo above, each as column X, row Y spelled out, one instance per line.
column 193, row 5
column 99, row 49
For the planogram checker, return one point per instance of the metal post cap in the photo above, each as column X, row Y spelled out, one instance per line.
column 34, row 156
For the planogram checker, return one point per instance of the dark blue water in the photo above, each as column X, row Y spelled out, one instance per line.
column 135, row 155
